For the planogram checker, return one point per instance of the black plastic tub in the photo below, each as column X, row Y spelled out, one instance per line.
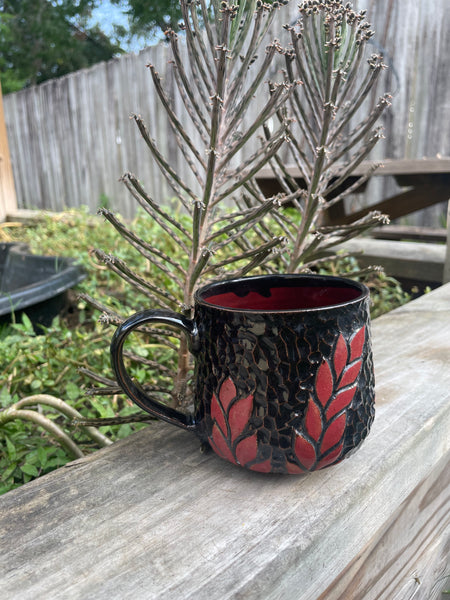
column 36, row 285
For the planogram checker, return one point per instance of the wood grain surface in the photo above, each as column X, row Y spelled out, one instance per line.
column 152, row 517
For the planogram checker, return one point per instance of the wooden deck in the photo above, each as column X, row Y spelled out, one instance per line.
column 420, row 262
column 152, row 518
column 427, row 182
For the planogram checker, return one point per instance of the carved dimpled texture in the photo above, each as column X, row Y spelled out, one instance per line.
column 304, row 381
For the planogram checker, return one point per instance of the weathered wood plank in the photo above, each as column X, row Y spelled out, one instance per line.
column 446, row 277
column 8, row 200
column 427, row 180
column 388, row 167
column 406, row 232
column 419, row 261
column 410, row 556
column 405, row 203
column 152, row 517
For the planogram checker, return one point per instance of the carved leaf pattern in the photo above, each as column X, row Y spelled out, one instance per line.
column 306, row 450
column 324, row 383
column 321, row 443
column 330, row 458
column 220, row 444
column 230, row 417
column 313, row 421
column 357, row 344
column 262, row 467
column 246, row 449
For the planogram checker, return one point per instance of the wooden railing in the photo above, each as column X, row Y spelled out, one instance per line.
column 152, row 517
column 8, row 201
column 427, row 181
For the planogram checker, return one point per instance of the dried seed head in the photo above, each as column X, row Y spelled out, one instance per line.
column 336, row 11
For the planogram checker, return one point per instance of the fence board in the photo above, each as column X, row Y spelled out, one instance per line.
column 71, row 138
column 8, row 201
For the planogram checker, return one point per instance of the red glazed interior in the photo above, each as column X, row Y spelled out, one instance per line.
column 286, row 298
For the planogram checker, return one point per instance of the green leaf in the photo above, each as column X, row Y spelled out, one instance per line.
column 11, row 449
column 42, row 455
column 8, row 472
column 5, row 396
column 29, row 470
column 28, row 325
column 72, row 391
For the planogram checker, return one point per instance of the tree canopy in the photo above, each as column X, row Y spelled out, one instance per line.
column 42, row 39
column 148, row 18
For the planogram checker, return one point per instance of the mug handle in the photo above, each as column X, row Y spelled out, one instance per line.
column 133, row 391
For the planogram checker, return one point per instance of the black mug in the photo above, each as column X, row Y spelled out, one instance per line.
column 283, row 378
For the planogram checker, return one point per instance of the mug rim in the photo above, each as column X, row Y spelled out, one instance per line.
column 278, row 278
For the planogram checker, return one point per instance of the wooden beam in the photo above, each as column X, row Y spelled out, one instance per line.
column 389, row 166
column 410, row 232
column 404, row 203
column 408, row 166
column 413, row 541
column 419, row 261
column 428, row 178
column 8, row 200
column 447, row 253
column 152, row 517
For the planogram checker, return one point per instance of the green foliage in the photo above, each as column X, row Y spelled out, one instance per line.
column 50, row 363
column 26, row 455
column 148, row 18
column 56, row 36
column 41, row 39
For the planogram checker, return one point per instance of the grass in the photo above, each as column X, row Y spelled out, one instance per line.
column 52, row 363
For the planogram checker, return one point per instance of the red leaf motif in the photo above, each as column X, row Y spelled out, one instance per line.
column 331, row 458
column 227, row 393
column 333, row 434
column 340, row 356
column 220, row 445
column 324, row 383
column 217, row 414
column 263, row 467
column 230, row 418
column 313, row 421
column 350, row 374
column 341, row 401
column 357, row 344
column 238, row 416
column 246, row 450
column 294, row 469
column 305, row 452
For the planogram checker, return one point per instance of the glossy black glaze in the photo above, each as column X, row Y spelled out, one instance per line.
column 272, row 358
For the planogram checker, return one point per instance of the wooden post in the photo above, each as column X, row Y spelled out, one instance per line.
column 446, row 277
column 8, row 200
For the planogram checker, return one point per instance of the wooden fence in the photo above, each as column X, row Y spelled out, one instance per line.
column 8, row 201
column 71, row 138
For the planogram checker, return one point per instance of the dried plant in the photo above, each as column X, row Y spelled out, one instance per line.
column 29, row 409
column 327, row 140
column 228, row 227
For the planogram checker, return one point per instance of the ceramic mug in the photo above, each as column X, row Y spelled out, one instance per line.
column 283, row 376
